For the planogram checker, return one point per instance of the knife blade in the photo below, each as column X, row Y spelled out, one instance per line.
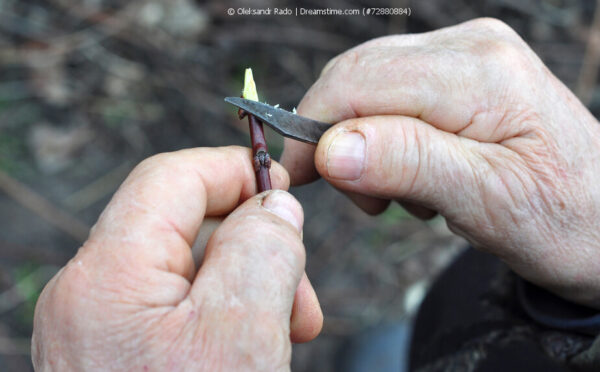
column 283, row 122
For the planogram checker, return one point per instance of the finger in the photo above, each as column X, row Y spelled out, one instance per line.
column 307, row 318
column 405, row 159
column 442, row 77
column 369, row 204
column 297, row 158
column 299, row 162
column 143, row 238
column 418, row 211
column 452, row 78
column 254, row 261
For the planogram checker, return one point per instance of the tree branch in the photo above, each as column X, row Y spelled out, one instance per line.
column 262, row 160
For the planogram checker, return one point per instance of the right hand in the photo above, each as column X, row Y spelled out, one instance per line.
column 467, row 122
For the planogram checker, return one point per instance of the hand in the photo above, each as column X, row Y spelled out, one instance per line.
column 467, row 122
column 131, row 298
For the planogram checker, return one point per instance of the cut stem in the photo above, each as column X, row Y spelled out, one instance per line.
column 261, row 158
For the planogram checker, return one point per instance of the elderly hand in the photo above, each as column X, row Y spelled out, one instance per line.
column 131, row 299
column 466, row 121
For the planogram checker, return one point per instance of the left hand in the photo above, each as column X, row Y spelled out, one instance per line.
column 131, row 298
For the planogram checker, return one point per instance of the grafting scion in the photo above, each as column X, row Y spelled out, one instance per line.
column 261, row 159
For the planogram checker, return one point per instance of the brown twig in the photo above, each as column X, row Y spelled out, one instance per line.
column 261, row 158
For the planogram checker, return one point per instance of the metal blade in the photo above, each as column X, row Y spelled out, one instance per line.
column 284, row 122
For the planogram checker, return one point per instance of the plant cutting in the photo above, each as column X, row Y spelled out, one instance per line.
column 261, row 158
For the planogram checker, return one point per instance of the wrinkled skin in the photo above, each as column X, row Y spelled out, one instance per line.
column 467, row 122
column 131, row 300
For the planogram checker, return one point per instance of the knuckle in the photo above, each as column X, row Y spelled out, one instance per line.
column 492, row 26
column 498, row 42
column 342, row 63
column 329, row 65
column 349, row 59
column 73, row 278
column 67, row 290
column 162, row 160
column 359, row 54
column 500, row 55
column 508, row 53
column 165, row 168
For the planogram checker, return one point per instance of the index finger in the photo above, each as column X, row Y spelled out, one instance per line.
column 154, row 217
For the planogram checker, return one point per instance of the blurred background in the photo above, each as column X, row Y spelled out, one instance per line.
column 88, row 88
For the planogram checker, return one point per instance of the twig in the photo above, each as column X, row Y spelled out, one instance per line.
column 262, row 160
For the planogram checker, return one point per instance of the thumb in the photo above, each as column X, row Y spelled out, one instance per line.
column 253, row 265
column 401, row 158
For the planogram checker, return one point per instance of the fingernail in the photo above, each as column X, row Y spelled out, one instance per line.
column 285, row 206
column 346, row 156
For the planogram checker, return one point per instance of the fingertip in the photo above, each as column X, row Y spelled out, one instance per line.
column 256, row 254
column 323, row 147
column 280, row 178
column 369, row 204
column 307, row 317
column 285, row 206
